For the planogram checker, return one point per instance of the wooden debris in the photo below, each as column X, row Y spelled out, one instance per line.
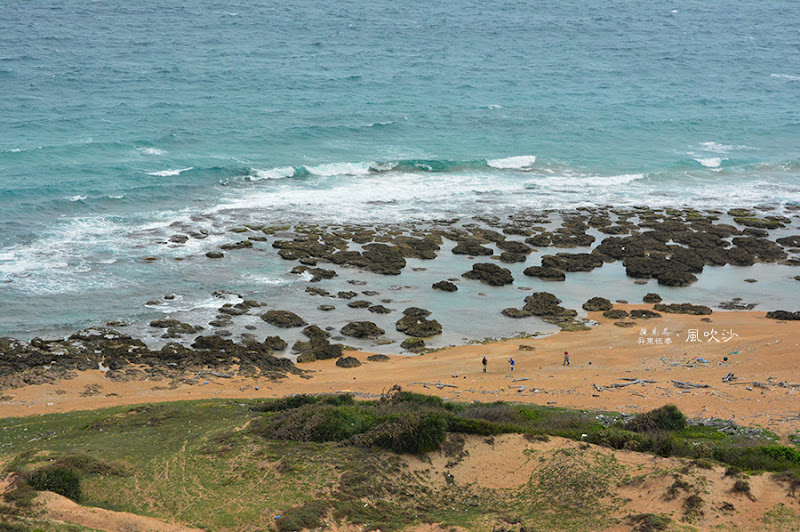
column 522, row 379
column 689, row 385
column 623, row 384
column 729, row 377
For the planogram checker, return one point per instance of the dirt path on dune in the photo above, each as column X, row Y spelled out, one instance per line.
column 60, row 508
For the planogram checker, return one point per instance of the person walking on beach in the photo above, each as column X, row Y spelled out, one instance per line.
column 566, row 359
column 511, row 363
column 484, row 362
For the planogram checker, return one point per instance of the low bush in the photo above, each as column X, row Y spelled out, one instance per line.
column 56, row 479
column 473, row 426
column 307, row 516
column 417, row 433
column 319, row 423
column 667, row 417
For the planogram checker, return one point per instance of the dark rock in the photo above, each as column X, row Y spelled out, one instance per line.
column 237, row 245
column 378, row 358
column 164, row 323
column 625, row 324
column 683, row 308
column 362, row 329
column 312, row 331
column 547, row 274
column 418, row 326
column 514, row 247
column 274, row 343
column 546, row 304
column 416, row 311
column 758, row 233
column 572, row 262
column 326, row 308
column 215, row 254
column 315, row 291
column 346, row 295
column 510, row 258
column 415, row 345
column 348, row 362
column 359, row 304
column 179, row 239
column 317, row 274
column 283, row 318
column 445, row 286
column 789, row 241
column 597, row 304
column 758, row 223
column 417, row 248
column 651, row 298
column 763, row 249
column 379, row 309
column 644, row 314
column 616, row 314
column 676, row 278
column 516, row 313
column 471, row 247
column 783, row 315
column 490, row 274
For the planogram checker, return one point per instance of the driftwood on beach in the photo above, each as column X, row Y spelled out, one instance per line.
column 631, row 382
column 689, row 385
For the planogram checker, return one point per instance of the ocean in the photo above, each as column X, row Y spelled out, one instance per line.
column 121, row 124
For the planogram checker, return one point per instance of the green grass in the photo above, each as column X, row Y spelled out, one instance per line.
column 235, row 464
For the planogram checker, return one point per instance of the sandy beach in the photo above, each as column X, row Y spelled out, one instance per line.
column 761, row 353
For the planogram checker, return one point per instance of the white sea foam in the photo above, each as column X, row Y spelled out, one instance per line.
column 170, row 173
column 788, row 77
column 77, row 198
column 333, row 169
column 272, row 173
column 152, row 151
column 710, row 162
column 520, row 162
column 716, row 147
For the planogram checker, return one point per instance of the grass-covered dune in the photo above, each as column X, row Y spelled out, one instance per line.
column 400, row 462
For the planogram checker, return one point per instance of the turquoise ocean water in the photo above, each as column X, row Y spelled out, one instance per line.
column 120, row 122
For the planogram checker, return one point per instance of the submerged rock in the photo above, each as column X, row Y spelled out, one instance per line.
column 418, row 326
column 490, row 274
column 362, row 329
column 545, row 273
column 445, row 286
column 683, row 308
column 596, row 304
column 283, row 318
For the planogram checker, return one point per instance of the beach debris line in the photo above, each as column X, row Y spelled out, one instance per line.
column 630, row 382
column 439, row 385
column 689, row 385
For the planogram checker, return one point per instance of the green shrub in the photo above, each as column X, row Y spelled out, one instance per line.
column 473, row 426
column 286, row 403
column 495, row 412
column 57, row 479
column 340, row 399
column 320, row 423
column 307, row 516
column 616, row 438
column 667, row 417
column 414, row 433
column 21, row 496
column 649, row 522
column 420, row 399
